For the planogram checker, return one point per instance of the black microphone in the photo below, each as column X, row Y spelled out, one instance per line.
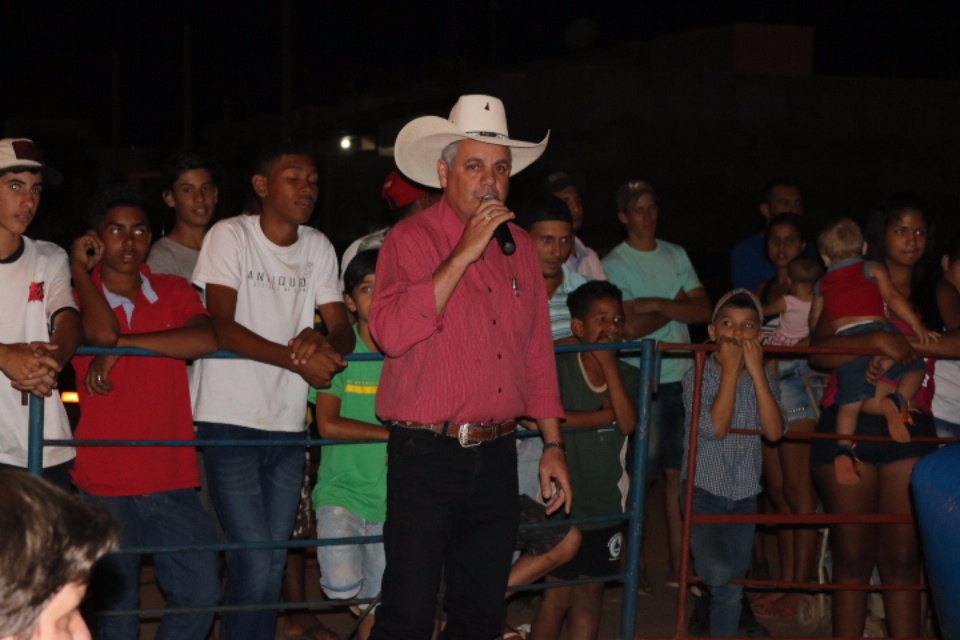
column 502, row 232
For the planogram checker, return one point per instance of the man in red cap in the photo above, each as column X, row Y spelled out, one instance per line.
column 403, row 198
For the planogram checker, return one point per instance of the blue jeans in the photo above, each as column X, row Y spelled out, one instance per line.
column 256, row 491
column 188, row 579
column 721, row 552
column 451, row 510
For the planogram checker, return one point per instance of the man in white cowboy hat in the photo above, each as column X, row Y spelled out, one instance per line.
column 466, row 337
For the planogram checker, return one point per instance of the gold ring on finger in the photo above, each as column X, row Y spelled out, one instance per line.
column 487, row 217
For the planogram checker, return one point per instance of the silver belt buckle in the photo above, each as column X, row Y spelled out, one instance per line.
column 464, row 436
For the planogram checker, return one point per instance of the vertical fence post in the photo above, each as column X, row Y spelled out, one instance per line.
column 649, row 366
column 35, row 437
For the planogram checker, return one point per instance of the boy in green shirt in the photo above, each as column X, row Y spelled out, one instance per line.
column 351, row 492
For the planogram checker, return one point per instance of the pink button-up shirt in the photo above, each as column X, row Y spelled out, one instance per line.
column 488, row 357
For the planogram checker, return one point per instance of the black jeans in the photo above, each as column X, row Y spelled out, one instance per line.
column 451, row 512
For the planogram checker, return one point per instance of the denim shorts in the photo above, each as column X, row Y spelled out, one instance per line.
column 793, row 393
column 666, row 431
column 852, row 386
column 350, row 570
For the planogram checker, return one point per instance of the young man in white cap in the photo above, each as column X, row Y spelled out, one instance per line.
column 466, row 335
column 39, row 323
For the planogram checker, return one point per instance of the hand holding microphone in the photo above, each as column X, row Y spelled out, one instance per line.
column 502, row 232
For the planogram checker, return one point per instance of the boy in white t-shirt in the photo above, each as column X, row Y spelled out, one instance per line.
column 39, row 323
column 264, row 277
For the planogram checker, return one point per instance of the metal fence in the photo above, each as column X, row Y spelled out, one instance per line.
column 649, row 354
column 649, row 364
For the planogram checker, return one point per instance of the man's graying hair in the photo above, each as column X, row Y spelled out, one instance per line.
column 450, row 152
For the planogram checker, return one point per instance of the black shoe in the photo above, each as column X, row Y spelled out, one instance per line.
column 699, row 623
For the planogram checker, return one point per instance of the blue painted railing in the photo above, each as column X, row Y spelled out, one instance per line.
column 649, row 374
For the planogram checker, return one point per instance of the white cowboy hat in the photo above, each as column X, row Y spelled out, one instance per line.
column 476, row 117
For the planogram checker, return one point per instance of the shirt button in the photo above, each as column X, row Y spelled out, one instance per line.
column 489, row 289
column 494, row 322
column 500, row 390
column 499, row 356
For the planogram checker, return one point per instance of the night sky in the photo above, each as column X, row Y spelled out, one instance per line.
column 61, row 59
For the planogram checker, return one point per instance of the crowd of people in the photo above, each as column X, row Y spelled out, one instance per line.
column 470, row 424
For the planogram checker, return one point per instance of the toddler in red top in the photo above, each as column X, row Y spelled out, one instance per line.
column 855, row 295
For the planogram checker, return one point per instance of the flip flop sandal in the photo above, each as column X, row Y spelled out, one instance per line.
column 845, row 465
column 896, row 409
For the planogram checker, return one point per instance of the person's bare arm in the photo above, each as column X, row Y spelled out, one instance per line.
column 100, row 325
column 66, row 336
column 642, row 316
column 899, row 304
column 624, row 408
column 340, row 337
column 64, row 341
column 773, row 308
column 98, row 374
column 638, row 324
column 730, row 360
column 340, row 333
column 693, row 307
column 334, row 426
column 587, row 419
column 34, row 367
column 30, row 367
column 948, row 302
column 20, row 361
column 816, row 310
column 771, row 418
column 948, row 346
column 234, row 337
column 553, row 468
column 893, row 345
column 194, row 339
